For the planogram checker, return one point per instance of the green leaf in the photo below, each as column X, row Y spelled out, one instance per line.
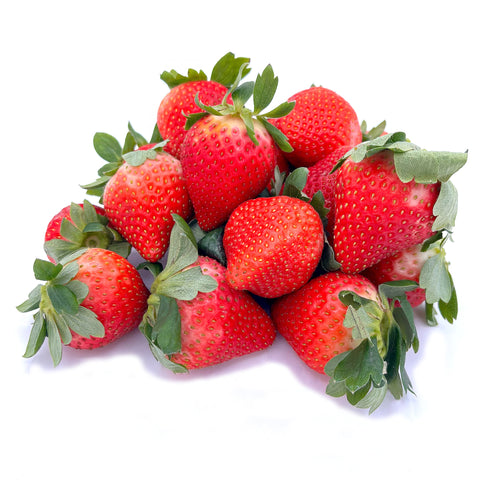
column 295, row 183
column 374, row 398
column 404, row 318
column 44, row 270
column 193, row 118
column 79, row 289
column 436, row 280
column 242, row 94
column 68, row 272
column 139, row 157
column 428, row 167
column 227, row 69
column 37, row 335
column 247, row 120
column 397, row 288
column 62, row 298
column 156, row 135
column 54, row 341
column 265, row 87
column 360, row 366
column 166, row 331
column 445, row 208
column 146, row 329
column 186, row 284
column 69, row 231
column 211, row 245
column 279, row 137
column 281, row 111
column 129, row 143
column 107, row 147
column 33, row 301
column 85, row 323
column 173, row 78
column 139, row 139
column 449, row 310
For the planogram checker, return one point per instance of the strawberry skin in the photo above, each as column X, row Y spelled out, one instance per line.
column 223, row 167
column 179, row 103
column 404, row 265
column 139, row 201
column 272, row 245
column 117, row 295
column 320, row 122
column 222, row 324
column 376, row 214
column 311, row 318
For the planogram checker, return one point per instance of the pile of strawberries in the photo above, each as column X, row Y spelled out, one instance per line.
column 297, row 220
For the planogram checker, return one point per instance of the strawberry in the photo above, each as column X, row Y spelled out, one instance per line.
column 229, row 153
column 390, row 195
column 195, row 319
column 87, row 303
column 81, row 225
column 426, row 265
column 180, row 101
column 341, row 325
column 140, row 197
column 272, row 245
column 321, row 122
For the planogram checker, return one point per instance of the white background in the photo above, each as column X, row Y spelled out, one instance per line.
column 71, row 69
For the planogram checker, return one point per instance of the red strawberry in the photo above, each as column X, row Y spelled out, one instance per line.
column 272, row 245
column 223, row 167
column 195, row 319
column 88, row 303
column 311, row 319
column 141, row 196
column 222, row 324
column 81, row 225
column 228, row 156
column 390, row 195
column 321, row 122
column 339, row 324
column 180, row 101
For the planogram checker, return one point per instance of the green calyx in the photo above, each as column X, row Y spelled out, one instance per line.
column 161, row 324
column 437, row 281
column 263, row 90
column 384, row 332
column 58, row 309
column 87, row 229
column 423, row 166
column 110, row 150
column 224, row 72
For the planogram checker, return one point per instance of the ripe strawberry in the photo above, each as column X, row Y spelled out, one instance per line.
column 222, row 324
column 87, row 303
column 390, row 195
column 339, row 324
column 180, row 101
column 195, row 319
column 311, row 319
column 141, row 196
column 321, row 122
column 272, row 245
column 81, row 225
column 228, row 156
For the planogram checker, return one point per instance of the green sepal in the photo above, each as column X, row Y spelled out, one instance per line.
column 263, row 91
column 177, row 281
column 87, row 229
column 59, row 311
column 173, row 78
column 374, row 132
column 37, row 335
column 139, row 139
column 436, row 279
column 227, row 69
column 139, row 157
column 107, row 147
